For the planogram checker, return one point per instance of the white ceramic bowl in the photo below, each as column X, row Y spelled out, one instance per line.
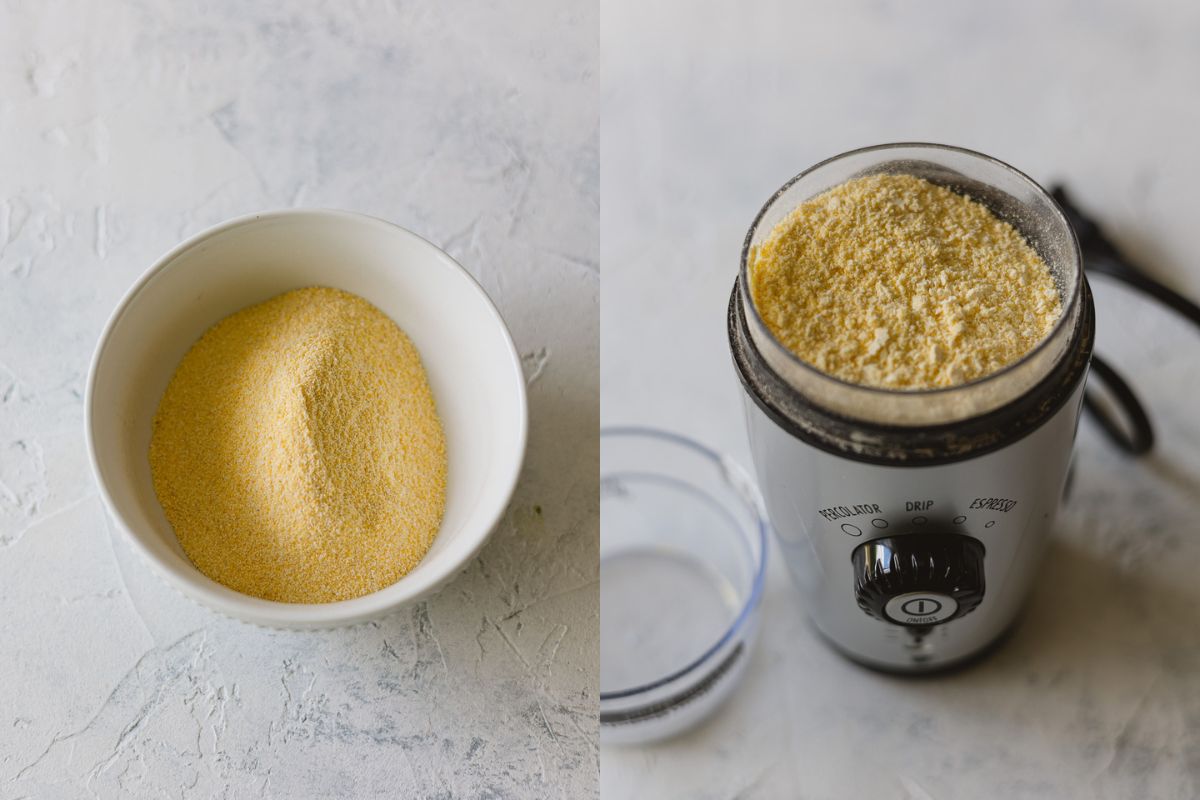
column 473, row 369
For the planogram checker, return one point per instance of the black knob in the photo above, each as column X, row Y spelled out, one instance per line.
column 920, row 579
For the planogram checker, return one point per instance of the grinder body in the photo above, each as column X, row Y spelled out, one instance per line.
column 914, row 521
column 828, row 508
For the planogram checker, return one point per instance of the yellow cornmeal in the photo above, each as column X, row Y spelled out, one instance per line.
column 896, row 282
column 297, row 452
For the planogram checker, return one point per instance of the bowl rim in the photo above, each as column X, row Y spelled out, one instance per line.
column 185, row 577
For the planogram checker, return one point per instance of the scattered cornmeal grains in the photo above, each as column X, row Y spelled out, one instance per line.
column 297, row 451
column 892, row 281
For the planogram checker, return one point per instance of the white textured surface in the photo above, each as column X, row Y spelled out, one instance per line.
column 1097, row 695
column 125, row 126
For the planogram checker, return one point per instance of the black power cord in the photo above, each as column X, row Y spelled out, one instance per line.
column 1139, row 439
column 1101, row 256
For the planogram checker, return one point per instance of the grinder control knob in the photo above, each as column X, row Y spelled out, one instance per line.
column 920, row 579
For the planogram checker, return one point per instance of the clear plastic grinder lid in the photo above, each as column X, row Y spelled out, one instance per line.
column 682, row 556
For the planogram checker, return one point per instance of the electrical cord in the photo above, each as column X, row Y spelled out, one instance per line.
column 1139, row 439
column 1102, row 257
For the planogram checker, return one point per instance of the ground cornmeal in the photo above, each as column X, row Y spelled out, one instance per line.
column 893, row 281
column 297, row 451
